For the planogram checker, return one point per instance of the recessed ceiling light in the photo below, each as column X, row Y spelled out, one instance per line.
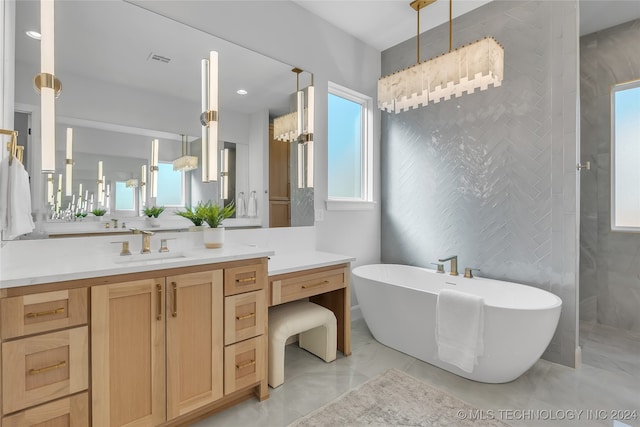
column 241, row 92
column 33, row 34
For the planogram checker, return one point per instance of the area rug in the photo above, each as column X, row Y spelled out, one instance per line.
column 397, row 399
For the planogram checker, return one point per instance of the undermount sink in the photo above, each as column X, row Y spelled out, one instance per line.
column 150, row 258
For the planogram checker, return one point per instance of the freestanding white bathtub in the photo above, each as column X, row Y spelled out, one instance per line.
column 398, row 303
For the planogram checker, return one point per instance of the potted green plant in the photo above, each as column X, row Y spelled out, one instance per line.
column 152, row 213
column 213, row 214
column 99, row 213
column 193, row 214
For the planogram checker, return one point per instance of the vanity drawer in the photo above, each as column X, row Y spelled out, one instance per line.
column 45, row 367
column 244, row 364
column 296, row 286
column 244, row 279
column 31, row 314
column 71, row 411
column 245, row 316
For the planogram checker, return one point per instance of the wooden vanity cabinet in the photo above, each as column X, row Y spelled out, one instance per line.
column 45, row 359
column 159, row 355
column 134, row 325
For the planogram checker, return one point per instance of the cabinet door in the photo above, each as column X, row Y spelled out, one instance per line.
column 194, row 341
column 128, row 348
column 245, row 316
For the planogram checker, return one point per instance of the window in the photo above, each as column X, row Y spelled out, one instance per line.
column 170, row 186
column 125, row 197
column 350, row 136
column 625, row 157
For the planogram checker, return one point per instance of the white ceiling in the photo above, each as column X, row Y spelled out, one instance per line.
column 385, row 23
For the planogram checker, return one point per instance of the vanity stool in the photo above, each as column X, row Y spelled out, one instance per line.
column 316, row 325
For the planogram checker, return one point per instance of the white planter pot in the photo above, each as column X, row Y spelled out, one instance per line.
column 213, row 237
column 196, row 228
column 154, row 222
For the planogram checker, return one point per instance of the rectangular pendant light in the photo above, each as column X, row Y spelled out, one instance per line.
column 153, row 170
column 45, row 81
column 100, row 183
column 143, row 185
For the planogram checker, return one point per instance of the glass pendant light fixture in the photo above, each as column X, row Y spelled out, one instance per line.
column 48, row 86
column 209, row 118
column 474, row 66
column 100, row 184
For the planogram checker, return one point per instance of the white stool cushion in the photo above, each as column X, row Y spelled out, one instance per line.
column 316, row 325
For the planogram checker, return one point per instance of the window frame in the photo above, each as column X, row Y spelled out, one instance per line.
column 616, row 88
column 365, row 201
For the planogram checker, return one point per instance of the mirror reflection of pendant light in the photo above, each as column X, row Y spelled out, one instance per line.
column 470, row 67
column 143, row 185
column 100, row 183
column 153, row 170
column 209, row 118
column 224, row 174
column 50, row 188
column 48, row 86
column 80, row 199
column 185, row 163
column 59, row 193
column 69, row 163
column 289, row 127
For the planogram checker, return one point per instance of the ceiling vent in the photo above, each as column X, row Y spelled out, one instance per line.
column 159, row 58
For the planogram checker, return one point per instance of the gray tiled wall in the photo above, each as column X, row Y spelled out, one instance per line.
column 609, row 261
column 491, row 176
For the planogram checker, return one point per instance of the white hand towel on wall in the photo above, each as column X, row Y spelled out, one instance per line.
column 15, row 199
column 460, row 328
column 4, row 193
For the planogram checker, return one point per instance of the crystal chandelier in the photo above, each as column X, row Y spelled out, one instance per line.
column 474, row 66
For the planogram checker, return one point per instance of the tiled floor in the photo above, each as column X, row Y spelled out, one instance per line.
column 609, row 380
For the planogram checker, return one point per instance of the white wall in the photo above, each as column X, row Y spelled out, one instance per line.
column 7, row 36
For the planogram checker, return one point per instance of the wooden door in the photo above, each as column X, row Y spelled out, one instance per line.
column 128, row 353
column 195, row 375
column 279, row 182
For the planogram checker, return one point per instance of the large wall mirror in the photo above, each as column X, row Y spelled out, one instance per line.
column 130, row 76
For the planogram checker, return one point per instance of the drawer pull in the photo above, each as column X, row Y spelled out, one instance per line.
column 46, row 313
column 246, row 279
column 246, row 364
column 324, row 282
column 47, row 368
column 159, row 312
column 246, row 316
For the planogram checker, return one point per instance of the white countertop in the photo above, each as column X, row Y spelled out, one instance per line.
column 33, row 262
column 298, row 261
column 56, row 267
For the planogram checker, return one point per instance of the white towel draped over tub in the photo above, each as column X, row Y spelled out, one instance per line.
column 459, row 328
column 15, row 199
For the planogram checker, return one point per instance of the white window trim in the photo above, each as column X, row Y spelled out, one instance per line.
column 365, row 202
column 615, row 89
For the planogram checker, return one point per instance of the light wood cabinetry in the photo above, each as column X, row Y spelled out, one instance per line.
column 134, row 324
column 157, row 348
column 45, row 356
column 70, row 411
column 128, row 353
column 326, row 286
column 245, row 329
column 194, row 341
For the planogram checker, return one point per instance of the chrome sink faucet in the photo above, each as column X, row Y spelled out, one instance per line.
column 454, row 264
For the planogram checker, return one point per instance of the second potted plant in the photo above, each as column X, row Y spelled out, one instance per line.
column 195, row 215
column 152, row 213
column 213, row 215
